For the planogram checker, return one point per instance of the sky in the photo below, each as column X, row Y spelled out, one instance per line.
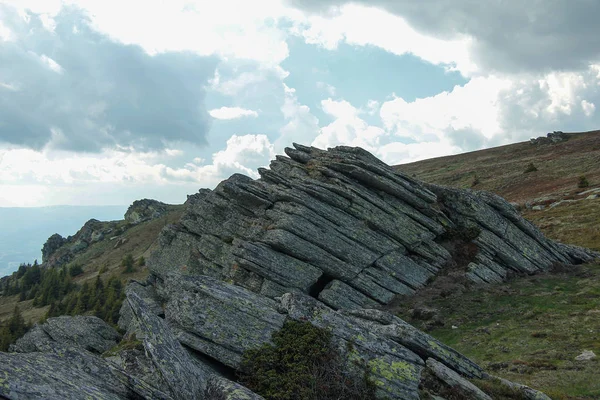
column 104, row 102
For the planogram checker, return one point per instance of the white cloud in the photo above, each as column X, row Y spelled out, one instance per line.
column 301, row 126
column 207, row 29
column 372, row 107
column 232, row 113
column 50, row 63
column 472, row 106
column 329, row 89
column 588, row 108
column 173, row 152
column 347, row 128
column 8, row 86
column 363, row 26
column 401, row 153
column 5, row 33
column 239, row 82
column 32, row 177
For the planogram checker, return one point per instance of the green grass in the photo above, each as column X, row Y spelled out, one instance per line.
column 529, row 330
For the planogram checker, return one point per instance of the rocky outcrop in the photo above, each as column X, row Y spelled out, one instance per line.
column 87, row 332
column 550, row 138
column 145, row 210
column 58, row 251
column 349, row 230
column 53, row 243
column 323, row 237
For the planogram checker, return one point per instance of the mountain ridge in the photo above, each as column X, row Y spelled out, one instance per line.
column 320, row 236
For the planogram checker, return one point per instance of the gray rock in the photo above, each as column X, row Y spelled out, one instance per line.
column 145, row 210
column 182, row 377
column 395, row 369
column 221, row 388
column 452, row 379
column 218, row 319
column 338, row 295
column 387, row 325
column 527, row 392
column 343, row 215
column 586, row 355
column 53, row 243
column 147, row 293
column 86, row 332
column 68, row 373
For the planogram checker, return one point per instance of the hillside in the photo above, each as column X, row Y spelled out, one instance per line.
column 25, row 229
column 531, row 328
column 549, row 197
column 101, row 257
column 326, row 249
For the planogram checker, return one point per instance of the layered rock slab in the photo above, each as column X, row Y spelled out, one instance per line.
column 346, row 228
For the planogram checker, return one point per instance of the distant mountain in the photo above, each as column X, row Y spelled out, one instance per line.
column 24, row 230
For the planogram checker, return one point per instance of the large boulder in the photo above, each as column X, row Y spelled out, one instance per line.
column 349, row 230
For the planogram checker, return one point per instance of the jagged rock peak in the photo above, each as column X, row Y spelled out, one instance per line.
column 344, row 227
column 53, row 243
column 145, row 210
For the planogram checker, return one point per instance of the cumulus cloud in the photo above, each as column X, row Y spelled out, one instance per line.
column 326, row 87
column 65, row 85
column 232, row 113
column 472, row 106
column 301, row 126
column 364, row 25
column 508, row 36
column 30, row 178
column 348, row 128
column 558, row 101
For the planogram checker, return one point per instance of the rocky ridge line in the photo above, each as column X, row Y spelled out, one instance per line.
column 323, row 237
column 346, row 228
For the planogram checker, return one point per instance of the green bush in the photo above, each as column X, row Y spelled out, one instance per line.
column 303, row 364
column 13, row 329
column 583, row 182
column 530, row 168
column 75, row 270
column 128, row 263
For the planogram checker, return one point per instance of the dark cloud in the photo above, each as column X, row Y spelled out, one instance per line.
column 104, row 94
column 510, row 35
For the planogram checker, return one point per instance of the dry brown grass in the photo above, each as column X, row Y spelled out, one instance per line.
column 559, row 166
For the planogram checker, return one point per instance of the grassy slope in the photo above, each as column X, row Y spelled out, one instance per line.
column 531, row 329
column 140, row 240
column 500, row 170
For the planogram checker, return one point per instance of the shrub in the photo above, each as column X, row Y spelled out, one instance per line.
column 303, row 364
column 530, row 168
column 583, row 182
column 75, row 270
column 128, row 263
column 476, row 181
column 141, row 261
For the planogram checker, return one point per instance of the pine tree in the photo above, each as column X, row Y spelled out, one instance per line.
column 13, row 330
column 128, row 262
